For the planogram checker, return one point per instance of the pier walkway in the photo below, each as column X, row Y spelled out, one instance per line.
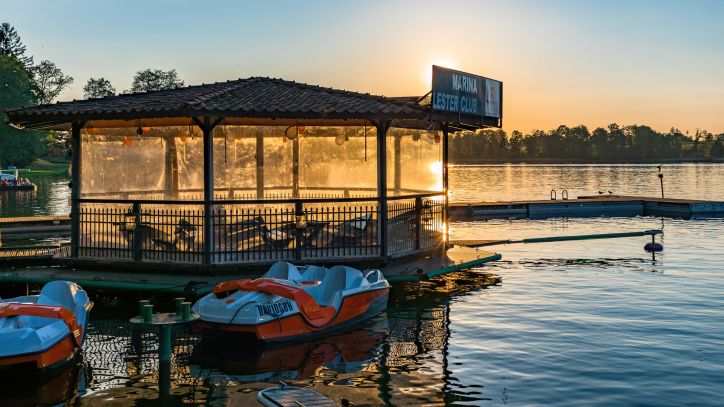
column 587, row 206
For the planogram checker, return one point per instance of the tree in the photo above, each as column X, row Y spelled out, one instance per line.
column 10, row 44
column 17, row 147
column 98, row 88
column 155, row 79
column 50, row 81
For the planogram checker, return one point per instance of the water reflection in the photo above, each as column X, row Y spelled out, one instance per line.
column 397, row 358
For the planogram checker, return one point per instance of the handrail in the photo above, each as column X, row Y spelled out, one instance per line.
column 258, row 201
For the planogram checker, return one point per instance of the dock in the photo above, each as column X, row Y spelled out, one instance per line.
column 25, row 225
column 588, row 206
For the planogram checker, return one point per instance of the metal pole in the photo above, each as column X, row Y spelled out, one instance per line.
column 382, row 184
column 164, row 344
column 75, row 177
column 445, row 184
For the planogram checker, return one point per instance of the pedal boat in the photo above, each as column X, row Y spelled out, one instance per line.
column 47, row 329
column 286, row 304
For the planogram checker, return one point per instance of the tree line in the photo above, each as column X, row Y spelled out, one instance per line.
column 25, row 83
column 634, row 143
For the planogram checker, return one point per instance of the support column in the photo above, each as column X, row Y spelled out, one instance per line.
column 382, row 184
column 295, row 168
column 75, row 178
column 259, row 165
column 171, row 168
column 398, row 164
column 445, row 184
column 207, row 126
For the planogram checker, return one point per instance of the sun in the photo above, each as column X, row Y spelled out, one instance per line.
column 427, row 70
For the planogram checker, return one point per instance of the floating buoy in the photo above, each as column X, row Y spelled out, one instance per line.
column 653, row 247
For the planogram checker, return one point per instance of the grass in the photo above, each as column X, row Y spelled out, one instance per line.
column 44, row 167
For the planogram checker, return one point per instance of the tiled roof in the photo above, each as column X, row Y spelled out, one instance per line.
column 252, row 97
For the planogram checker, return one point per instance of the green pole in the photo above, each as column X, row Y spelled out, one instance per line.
column 164, row 344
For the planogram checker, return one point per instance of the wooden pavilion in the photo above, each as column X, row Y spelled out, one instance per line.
column 244, row 173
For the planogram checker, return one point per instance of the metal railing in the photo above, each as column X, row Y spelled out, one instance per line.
column 258, row 231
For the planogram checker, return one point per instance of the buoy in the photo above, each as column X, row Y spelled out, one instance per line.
column 653, row 247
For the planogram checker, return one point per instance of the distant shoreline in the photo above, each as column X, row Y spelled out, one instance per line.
column 581, row 161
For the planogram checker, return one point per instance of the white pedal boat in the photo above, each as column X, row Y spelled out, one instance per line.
column 286, row 304
column 46, row 329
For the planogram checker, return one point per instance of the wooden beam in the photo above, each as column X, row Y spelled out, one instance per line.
column 382, row 128
column 259, row 165
column 75, row 185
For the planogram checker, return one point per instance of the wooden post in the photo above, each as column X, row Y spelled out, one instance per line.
column 382, row 184
column 75, row 178
column 445, row 184
column 207, row 126
column 259, row 165
column 295, row 168
column 398, row 163
column 171, row 168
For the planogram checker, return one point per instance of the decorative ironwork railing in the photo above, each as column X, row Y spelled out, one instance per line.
column 258, row 231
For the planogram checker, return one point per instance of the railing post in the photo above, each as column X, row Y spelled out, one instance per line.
column 75, row 189
column 382, row 184
column 298, row 230
column 137, row 233
column 418, row 222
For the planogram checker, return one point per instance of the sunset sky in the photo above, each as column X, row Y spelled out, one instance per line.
column 562, row 62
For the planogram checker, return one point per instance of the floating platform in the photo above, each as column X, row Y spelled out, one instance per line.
column 28, row 225
column 588, row 206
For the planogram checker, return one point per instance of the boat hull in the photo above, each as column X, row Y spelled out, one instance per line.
column 61, row 352
column 353, row 309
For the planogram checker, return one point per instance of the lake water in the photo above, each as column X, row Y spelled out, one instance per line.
column 572, row 323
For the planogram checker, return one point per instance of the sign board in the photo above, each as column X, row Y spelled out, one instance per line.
column 466, row 94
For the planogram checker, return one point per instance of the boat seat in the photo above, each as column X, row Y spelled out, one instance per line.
column 283, row 271
column 337, row 279
column 65, row 294
column 314, row 273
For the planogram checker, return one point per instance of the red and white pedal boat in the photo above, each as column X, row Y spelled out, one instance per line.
column 45, row 330
column 285, row 305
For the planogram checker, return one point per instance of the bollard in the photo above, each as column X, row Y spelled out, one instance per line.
column 147, row 313
column 179, row 301
column 185, row 311
column 141, row 303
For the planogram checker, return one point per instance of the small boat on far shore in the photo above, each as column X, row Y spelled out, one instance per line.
column 286, row 304
column 10, row 180
column 43, row 330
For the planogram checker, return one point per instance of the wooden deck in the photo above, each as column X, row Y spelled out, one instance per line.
column 588, row 206
column 27, row 225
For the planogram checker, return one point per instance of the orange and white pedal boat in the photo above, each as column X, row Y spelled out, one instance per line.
column 45, row 330
column 287, row 304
